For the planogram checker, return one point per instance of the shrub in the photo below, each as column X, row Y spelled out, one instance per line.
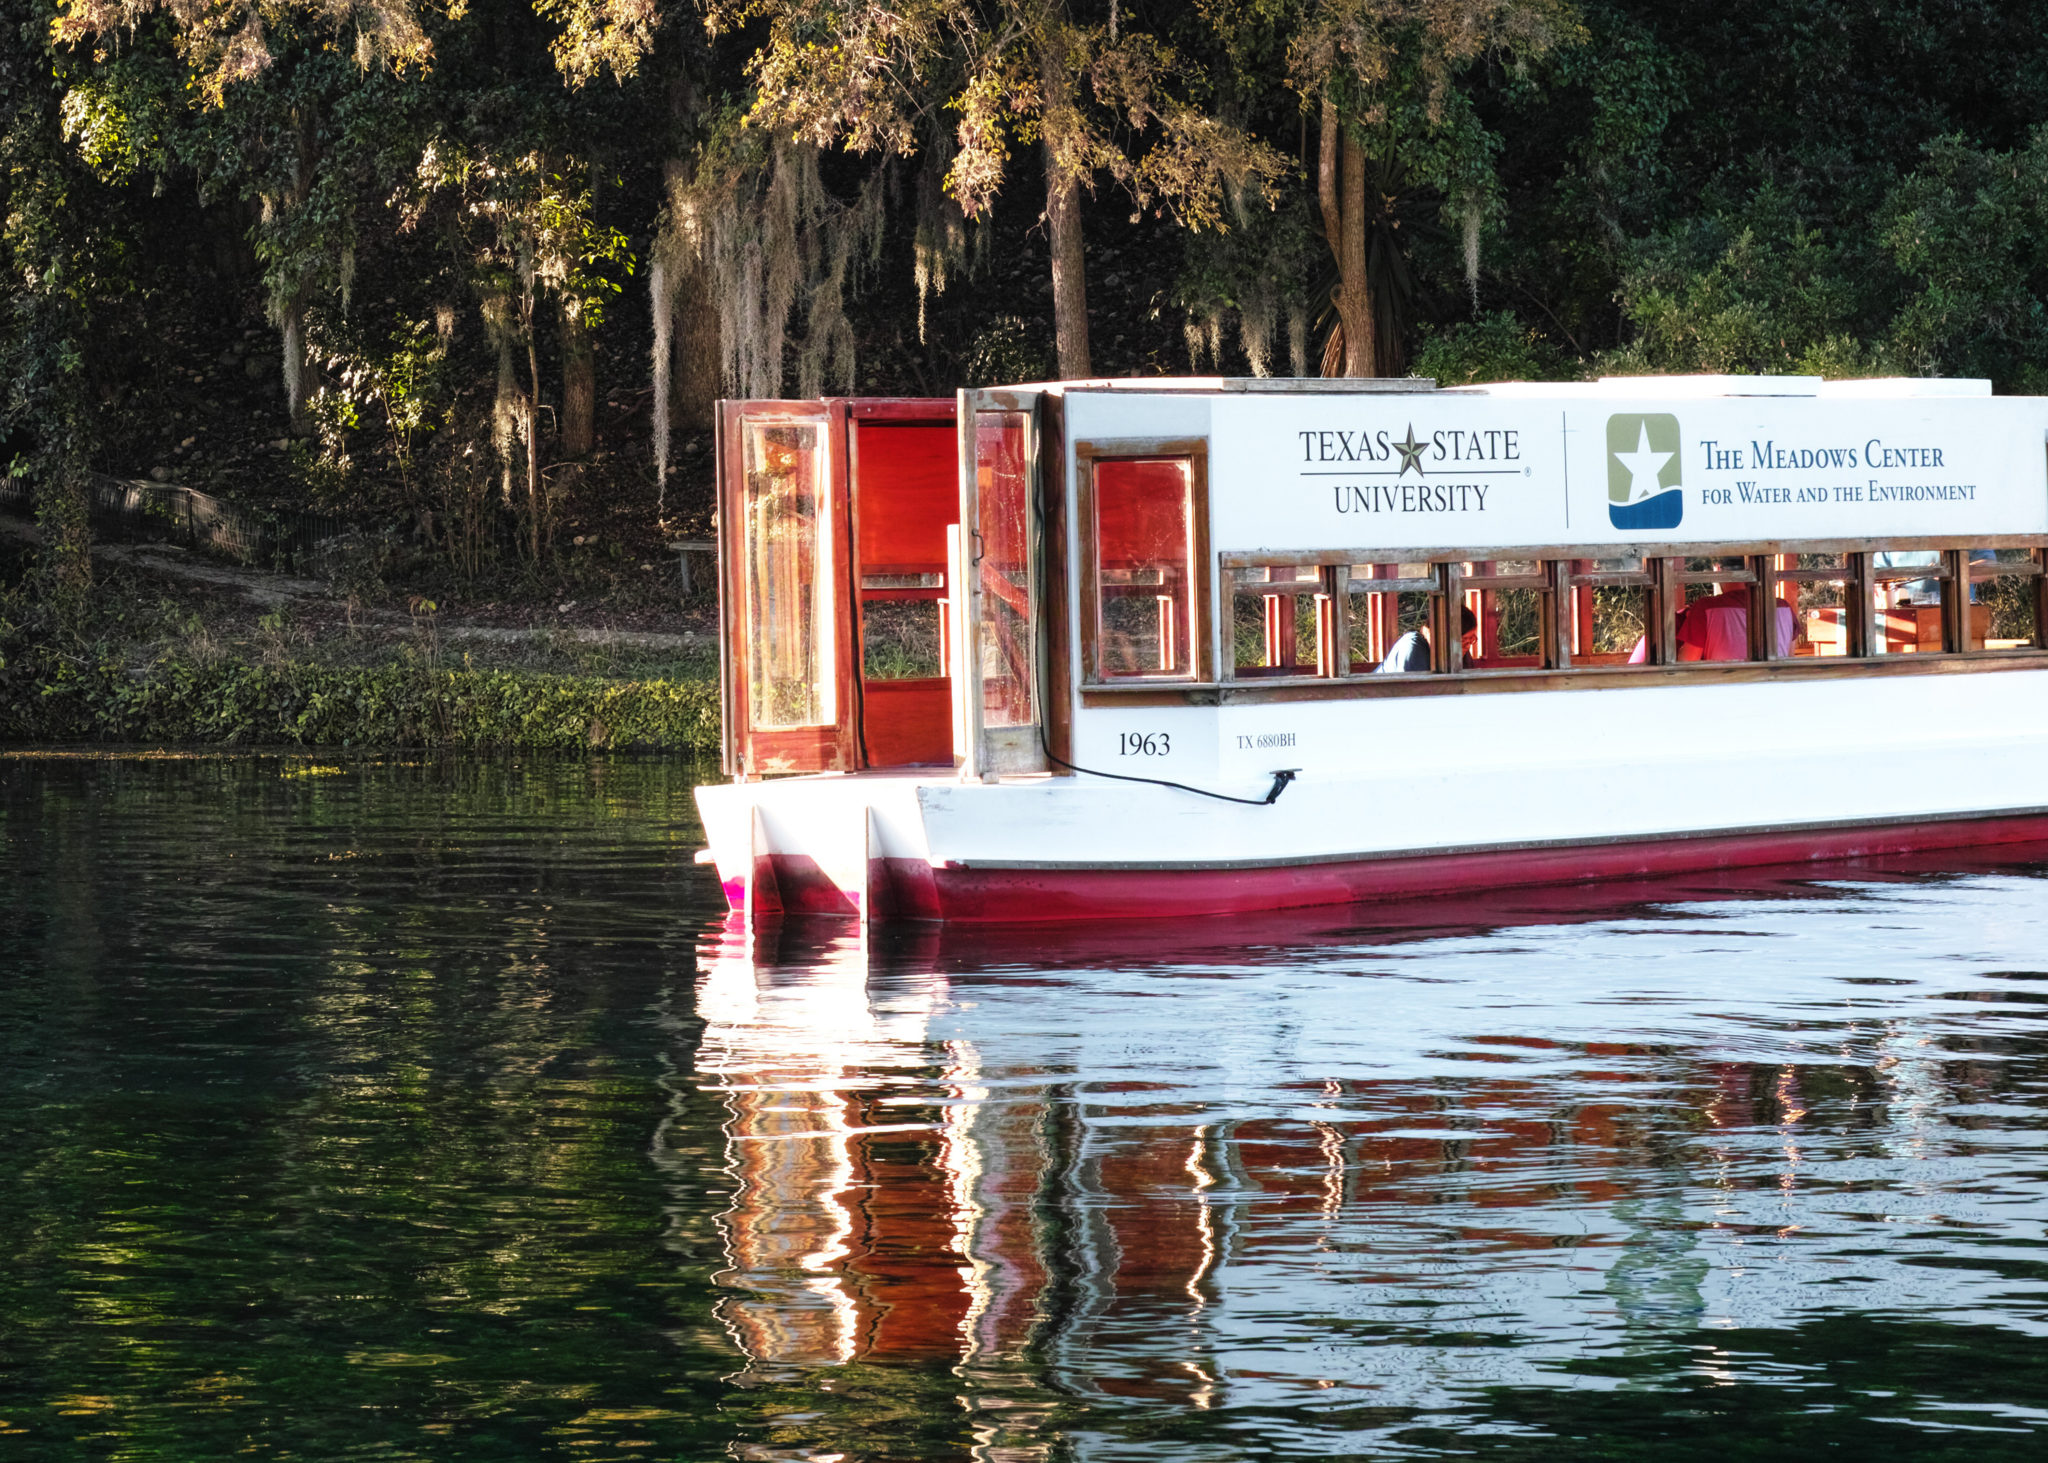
column 52, row 697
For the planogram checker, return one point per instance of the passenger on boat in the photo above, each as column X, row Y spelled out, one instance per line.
column 1412, row 651
column 1716, row 627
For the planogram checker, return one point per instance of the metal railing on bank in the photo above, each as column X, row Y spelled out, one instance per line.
column 134, row 509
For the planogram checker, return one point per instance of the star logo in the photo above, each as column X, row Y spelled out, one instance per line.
column 1645, row 471
column 1643, row 466
column 1411, row 454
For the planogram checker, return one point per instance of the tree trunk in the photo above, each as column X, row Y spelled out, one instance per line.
column 579, row 382
column 1069, row 278
column 697, row 347
column 1063, row 217
column 1340, row 187
column 690, row 312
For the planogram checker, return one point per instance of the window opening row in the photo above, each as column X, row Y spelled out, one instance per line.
column 1396, row 617
column 1295, row 620
column 1342, row 620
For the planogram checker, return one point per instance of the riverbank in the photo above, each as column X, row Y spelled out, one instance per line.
column 181, row 649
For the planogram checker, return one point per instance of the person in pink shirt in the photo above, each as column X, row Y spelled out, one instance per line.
column 1716, row 627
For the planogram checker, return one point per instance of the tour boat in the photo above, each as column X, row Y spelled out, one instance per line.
column 1096, row 649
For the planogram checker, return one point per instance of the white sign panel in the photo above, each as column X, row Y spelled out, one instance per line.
column 1452, row 470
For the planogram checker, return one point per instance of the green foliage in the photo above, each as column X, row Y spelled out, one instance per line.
column 404, row 383
column 1270, row 273
column 1970, row 227
column 51, row 696
column 1005, row 352
column 1495, row 347
column 1748, row 290
column 439, row 249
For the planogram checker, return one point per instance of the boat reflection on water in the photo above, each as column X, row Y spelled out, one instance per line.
column 1373, row 1159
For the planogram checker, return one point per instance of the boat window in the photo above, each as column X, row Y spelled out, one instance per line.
column 789, row 556
column 1610, row 613
column 2005, row 608
column 1713, row 621
column 1144, row 559
column 1906, row 601
column 1506, row 597
column 1354, row 621
column 1817, row 587
column 1711, row 600
column 1281, row 621
column 1002, row 552
column 1384, row 602
column 903, row 639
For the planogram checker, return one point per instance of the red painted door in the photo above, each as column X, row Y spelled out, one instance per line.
column 904, row 459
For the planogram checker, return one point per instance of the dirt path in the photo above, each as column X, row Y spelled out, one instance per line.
column 270, row 591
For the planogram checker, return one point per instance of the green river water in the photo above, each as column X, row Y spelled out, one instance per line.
column 388, row 1108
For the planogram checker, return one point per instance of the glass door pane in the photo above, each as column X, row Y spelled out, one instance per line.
column 1144, row 568
column 1003, row 549
column 791, row 672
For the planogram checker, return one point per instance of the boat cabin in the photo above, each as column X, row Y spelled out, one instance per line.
column 1204, row 587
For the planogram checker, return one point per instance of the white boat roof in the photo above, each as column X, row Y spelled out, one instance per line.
column 1683, row 388
column 1675, row 388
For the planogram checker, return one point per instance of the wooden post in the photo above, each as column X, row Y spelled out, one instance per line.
column 1546, row 621
column 1337, row 595
column 1557, row 620
column 2041, row 600
column 1955, row 602
column 1582, row 611
column 1450, row 645
column 1859, row 608
column 1387, row 622
column 1763, row 608
column 1665, row 596
column 1487, row 644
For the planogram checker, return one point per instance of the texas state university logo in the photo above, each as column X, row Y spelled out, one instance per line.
column 1644, row 480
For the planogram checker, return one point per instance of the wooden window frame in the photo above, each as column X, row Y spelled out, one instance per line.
column 1476, row 589
column 1342, row 584
column 1202, row 569
column 1658, row 624
column 1330, row 619
column 1973, row 573
column 1665, row 573
column 1853, row 574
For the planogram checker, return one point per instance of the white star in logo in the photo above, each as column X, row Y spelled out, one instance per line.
column 1643, row 466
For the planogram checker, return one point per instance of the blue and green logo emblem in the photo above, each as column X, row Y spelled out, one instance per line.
column 1644, row 479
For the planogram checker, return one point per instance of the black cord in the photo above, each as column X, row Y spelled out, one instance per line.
column 1280, row 780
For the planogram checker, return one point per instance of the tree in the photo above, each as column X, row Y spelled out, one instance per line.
column 1382, row 77
column 234, row 41
column 59, row 258
column 1016, row 73
column 537, row 251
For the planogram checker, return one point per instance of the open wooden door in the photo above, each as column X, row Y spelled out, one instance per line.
column 785, row 588
column 998, row 602
column 906, row 495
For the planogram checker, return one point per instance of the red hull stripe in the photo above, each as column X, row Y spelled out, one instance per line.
column 1014, row 896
